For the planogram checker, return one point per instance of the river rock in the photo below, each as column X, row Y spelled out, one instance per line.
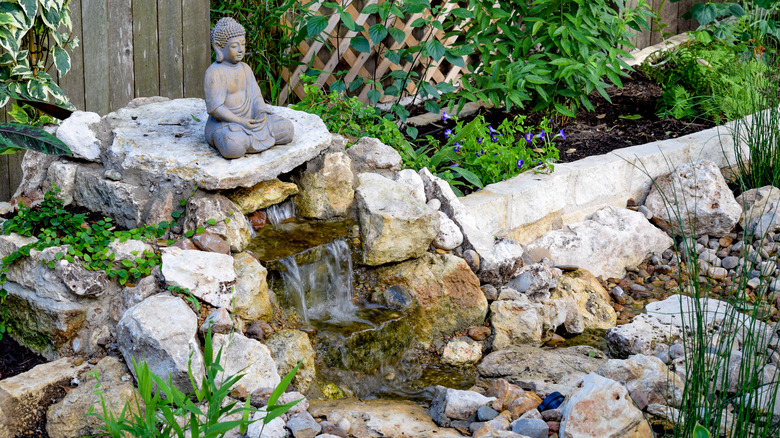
column 413, row 183
column 647, row 375
column 599, row 407
column 452, row 404
column 541, row 371
column 162, row 330
column 593, row 302
column 393, row 226
column 288, row 347
column 262, row 195
column 461, row 351
column 499, row 259
column 380, row 418
column 702, row 196
column 76, row 132
column 447, row 293
column 449, row 236
column 606, row 243
column 371, row 155
column 228, row 222
column 535, row 281
column 531, row 427
column 179, row 125
column 67, row 419
column 241, row 355
column 327, row 187
column 251, row 297
column 22, row 396
column 208, row 275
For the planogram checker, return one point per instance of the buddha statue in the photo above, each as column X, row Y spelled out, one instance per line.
column 239, row 122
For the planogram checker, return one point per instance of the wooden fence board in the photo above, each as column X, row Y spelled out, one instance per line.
column 73, row 82
column 169, row 29
column 145, row 52
column 667, row 20
column 94, row 19
column 14, row 171
column 197, row 56
column 5, row 183
column 120, row 48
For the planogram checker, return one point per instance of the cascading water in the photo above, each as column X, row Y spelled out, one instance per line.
column 281, row 212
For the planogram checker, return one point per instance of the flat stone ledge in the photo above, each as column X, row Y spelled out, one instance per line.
column 167, row 138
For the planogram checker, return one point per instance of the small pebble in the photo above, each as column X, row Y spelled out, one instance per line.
column 618, row 294
column 730, row 262
column 552, row 415
column 486, row 413
column 676, row 351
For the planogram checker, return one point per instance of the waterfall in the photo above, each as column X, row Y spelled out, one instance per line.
column 280, row 212
column 322, row 290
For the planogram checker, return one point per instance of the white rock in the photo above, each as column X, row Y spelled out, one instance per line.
column 371, row 155
column 610, row 240
column 599, row 407
column 648, row 375
column 449, row 236
column 413, row 184
column 63, row 175
column 208, row 275
column 535, row 281
column 76, row 132
column 129, row 249
column 644, row 335
column 241, row 355
column 461, row 351
column 274, row 429
column 162, row 330
column 455, row 404
column 699, row 193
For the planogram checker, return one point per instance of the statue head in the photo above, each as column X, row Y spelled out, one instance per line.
column 226, row 34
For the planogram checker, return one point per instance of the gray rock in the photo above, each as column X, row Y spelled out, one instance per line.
column 241, row 355
column 63, row 175
column 371, row 155
column 486, row 413
column 618, row 294
column 228, row 222
column 303, row 425
column 643, row 335
column 76, row 132
column 531, row 427
column 490, row 291
column 607, row 242
column 34, row 171
column 729, row 262
column 647, row 375
column 452, row 404
column 449, row 236
column 162, row 330
column 208, row 275
column 758, row 203
column 218, row 321
column 535, row 281
column 706, row 202
column 326, row 187
column 393, row 226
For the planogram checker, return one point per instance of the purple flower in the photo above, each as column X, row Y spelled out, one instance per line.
column 539, row 163
column 448, row 133
column 563, row 136
column 445, row 116
column 479, row 140
column 494, row 137
column 457, row 146
column 529, row 137
column 541, row 134
column 520, row 164
column 491, row 130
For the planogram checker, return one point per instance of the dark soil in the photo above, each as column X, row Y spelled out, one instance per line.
column 16, row 359
column 629, row 120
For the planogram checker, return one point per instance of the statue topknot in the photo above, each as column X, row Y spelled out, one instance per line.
column 225, row 29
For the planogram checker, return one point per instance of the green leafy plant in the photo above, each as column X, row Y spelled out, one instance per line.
column 157, row 413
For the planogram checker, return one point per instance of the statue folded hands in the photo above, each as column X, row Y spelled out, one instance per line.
column 239, row 122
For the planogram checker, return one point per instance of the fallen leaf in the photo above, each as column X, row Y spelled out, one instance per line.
column 601, row 116
column 571, row 151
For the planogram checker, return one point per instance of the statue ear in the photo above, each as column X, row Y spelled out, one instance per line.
column 218, row 52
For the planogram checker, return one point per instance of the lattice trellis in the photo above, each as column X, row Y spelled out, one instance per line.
column 338, row 55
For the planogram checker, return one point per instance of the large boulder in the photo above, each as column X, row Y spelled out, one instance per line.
column 601, row 408
column 446, row 290
column 251, row 298
column 241, row 355
column 22, row 396
column 218, row 215
column 326, row 187
column 208, row 275
column 288, row 347
column 499, row 259
column 393, row 225
column 67, row 419
column 607, row 242
column 162, row 331
column 647, row 375
column 262, row 195
column 694, row 200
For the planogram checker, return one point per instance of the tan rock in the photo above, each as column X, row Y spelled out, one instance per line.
column 592, row 300
column 326, row 187
column 519, row 406
column 251, row 291
column 262, row 195
column 288, row 347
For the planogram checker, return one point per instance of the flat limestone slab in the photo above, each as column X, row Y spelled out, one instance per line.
column 167, row 138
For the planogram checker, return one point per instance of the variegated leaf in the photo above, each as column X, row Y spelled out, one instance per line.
column 14, row 135
column 36, row 90
column 30, row 7
column 51, row 16
column 61, row 60
column 4, row 100
column 6, row 18
column 8, row 40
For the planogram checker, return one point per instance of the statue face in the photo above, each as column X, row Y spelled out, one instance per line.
column 234, row 50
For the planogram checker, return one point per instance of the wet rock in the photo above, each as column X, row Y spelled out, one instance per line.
column 22, row 395
column 446, row 290
column 541, row 371
column 251, row 297
column 66, row 418
column 211, row 242
column 461, row 351
column 261, row 195
column 162, row 330
column 618, row 294
column 535, row 281
column 479, row 333
column 371, row 155
column 531, row 428
column 449, row 236
column 707, row 203
column 646, row 375
column 218, row 321
column 76, row 131
column 257, row 220
column 452, row 404
column 393, row 226
column 606, row 243
column 241, row 355
column 259, row 330
column 288, row 347
column 326, row 187
column 599, row 407
column 218, row 215
column 208, row 275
